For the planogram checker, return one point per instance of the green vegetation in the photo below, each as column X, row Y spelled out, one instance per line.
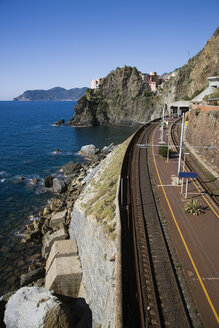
column 197, row 92
column 102, row 107
column 148, row 98
column 163, row 151
column 197, row 111
column 193, row 206
column 215, row 73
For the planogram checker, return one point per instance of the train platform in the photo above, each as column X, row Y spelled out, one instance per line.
column 195, row 237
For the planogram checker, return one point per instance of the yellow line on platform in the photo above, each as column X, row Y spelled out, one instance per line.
column 183, row 240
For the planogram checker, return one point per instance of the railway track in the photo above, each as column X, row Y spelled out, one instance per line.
column 151, row 292
column 205, row 178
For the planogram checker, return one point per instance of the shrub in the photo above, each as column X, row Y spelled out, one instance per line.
column 162, row 150
column 197, row 111
column 193, row 206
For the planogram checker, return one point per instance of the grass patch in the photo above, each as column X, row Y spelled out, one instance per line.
column 163, row 151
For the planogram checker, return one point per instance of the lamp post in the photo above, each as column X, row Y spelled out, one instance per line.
column 162, row 128
column 180, row 147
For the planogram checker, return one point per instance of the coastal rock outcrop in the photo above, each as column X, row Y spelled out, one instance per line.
column 53, row 222
column 122, row 98
column 60, row 122
column 36, row 308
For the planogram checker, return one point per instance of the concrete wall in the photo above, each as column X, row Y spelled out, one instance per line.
column 95, row 252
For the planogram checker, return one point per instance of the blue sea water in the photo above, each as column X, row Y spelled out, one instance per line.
column 28, row 139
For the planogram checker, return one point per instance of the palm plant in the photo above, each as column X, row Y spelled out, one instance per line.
column 193, row 206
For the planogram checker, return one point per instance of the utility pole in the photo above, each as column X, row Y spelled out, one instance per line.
column 168, row 146
column 180, row 147
column 184, row 163
column 162, row 129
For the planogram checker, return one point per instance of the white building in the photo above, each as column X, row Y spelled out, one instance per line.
column 95, row 83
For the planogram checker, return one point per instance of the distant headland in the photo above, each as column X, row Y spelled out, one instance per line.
column 54, row 94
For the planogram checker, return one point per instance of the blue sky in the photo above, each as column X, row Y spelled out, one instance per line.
column 48, row 43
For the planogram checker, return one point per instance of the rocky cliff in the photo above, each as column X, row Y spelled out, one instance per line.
column 54, row 94
column 122, row 98
column 191, row 78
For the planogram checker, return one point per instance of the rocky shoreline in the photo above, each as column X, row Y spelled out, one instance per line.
column 54, row 218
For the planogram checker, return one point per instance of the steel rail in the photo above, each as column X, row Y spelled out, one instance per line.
column 143, row 287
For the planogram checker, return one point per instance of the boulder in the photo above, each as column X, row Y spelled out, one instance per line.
column 59, row 186
column 45, row 228
column 67, row 181
column 60, row 122
column 89, row 150
column 35, row 234
column 35, row 307
column 70, row 168
column 57, row 205
column 3, row 301
column 48, row 181
column 57, row 220
column 31, row 276
column 46, row 211
column 35, row 180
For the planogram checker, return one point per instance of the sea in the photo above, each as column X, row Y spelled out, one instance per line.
column 28, row 143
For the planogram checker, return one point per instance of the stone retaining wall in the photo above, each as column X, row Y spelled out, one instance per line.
column 202, row 130
column 97, row 256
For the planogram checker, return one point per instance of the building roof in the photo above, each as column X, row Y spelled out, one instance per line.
column 213, row 78
column 180, row 103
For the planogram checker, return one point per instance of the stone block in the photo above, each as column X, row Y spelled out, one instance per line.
column 61, row 248
column 64, row 276
column 48, row 240
column 31, row 276
column 57, row 219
